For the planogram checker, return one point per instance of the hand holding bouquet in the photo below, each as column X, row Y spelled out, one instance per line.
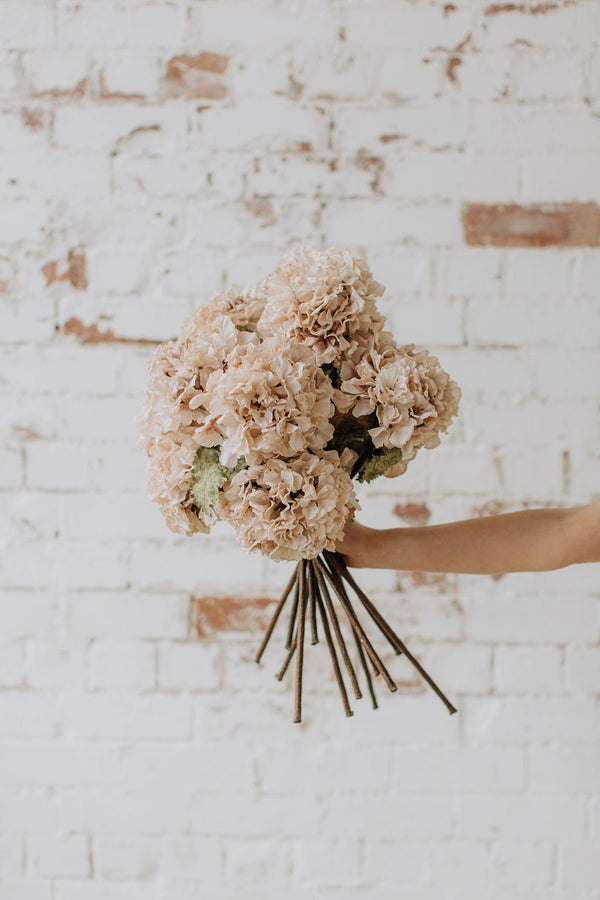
column 273, row 398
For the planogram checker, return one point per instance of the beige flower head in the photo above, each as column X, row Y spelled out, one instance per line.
column 412, row 397
column 270, row 401
column 320, row 298
column 290, row 509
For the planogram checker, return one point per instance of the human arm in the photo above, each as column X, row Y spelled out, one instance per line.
column 523, row 541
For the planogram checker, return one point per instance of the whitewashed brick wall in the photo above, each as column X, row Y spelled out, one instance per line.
column 151, row 154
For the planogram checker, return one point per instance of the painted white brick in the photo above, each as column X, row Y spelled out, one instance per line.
column 122, row 664
column 527, row 670
column 439, row 125
column 334, row 861
column 11, row 852
column 460, row 669
column 582, row 668
column 391, row 27
column 135, row 858
column 256, row 862
column 113, row 25
column 124, row 614
column 534, row 472
column 26, row 714
column 295, row 770
column 557, row 27
column 52, row 665
column 529, row 720
column 528, row 865
column 471, row 471
column 11, row 468
column 522, row 817
column 579, row 866
column 28, row 889
column 546, row 178
column 51, row 764
column 113, row 715
column 88, row 889
column 197, row 564
column 189, row 666
column 61, row 856
column 531, row 619
column 465, row 770
column 405, row 863
column 23, row 27
column 268, row 124
column 561, row 770
column 538, row 75
column 57, row 465
column 12, row 658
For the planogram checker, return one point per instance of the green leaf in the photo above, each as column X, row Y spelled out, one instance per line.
column 378, row 463
column 210, row 476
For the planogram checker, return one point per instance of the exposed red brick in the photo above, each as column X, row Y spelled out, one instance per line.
column 74, row 270
column 451, row 66
column 388, row 138
column 562, row 224
column 197, row 76
column 449, row 8
column 262, row 208
column 77, row 270
column 224, row 613
column 91, row 334
column 305, row 147
column 33, row 118
column 413, row 513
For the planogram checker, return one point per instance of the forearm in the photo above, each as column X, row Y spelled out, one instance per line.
column 522, row 541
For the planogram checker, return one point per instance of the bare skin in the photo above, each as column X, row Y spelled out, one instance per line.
column 531, row 540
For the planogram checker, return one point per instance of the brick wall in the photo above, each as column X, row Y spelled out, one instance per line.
column 151, row 154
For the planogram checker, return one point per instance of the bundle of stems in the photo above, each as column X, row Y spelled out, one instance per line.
column 313, row 585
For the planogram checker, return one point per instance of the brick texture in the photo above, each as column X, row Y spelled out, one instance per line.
column 153, row 152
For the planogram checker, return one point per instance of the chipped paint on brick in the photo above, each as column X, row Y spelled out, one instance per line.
column 262, row 208
column 536, row 9
column 91, row 334
column 213, row 614
column 33, row 118
column 453, row 63
column 413, row 513
column 374, row 164
column 75, row 270
column 197, row 76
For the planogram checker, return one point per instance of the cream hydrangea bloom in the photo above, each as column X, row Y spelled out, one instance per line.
column 290, row 509
column 411, row 395
column 270, row 401
column 320, row 298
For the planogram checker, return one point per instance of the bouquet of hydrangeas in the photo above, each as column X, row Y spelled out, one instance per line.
column 272, row 399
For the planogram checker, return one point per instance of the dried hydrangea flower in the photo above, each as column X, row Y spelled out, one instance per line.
column 320, row 298
column 290, row 509
column 270, row 403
